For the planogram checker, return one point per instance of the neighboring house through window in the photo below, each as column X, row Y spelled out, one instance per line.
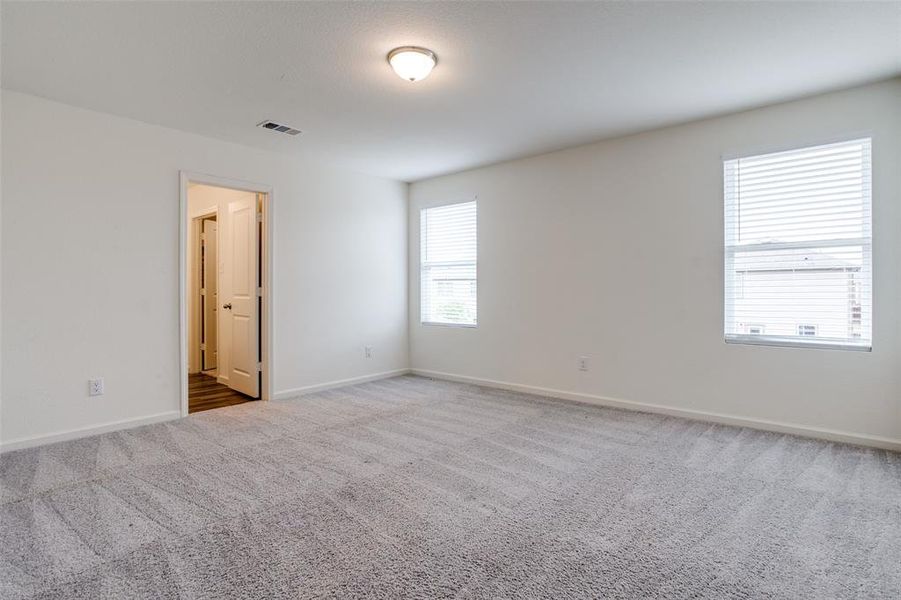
column 807, row 330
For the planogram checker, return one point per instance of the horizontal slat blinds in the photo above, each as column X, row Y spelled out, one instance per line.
column 798, row 247
column 448, row 252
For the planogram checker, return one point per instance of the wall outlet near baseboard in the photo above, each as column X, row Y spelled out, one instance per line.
column 583, row 363
column 95, row 387
column 367, row 352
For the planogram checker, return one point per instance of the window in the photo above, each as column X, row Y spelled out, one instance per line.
column 448, row 264
column 798, row 247
column 807, row 330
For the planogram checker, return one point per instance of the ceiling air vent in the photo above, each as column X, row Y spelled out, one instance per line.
column 278, row 127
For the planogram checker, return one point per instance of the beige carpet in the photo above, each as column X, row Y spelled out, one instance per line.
column 415, row 488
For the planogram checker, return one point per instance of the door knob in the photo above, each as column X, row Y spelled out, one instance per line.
column 227, row 306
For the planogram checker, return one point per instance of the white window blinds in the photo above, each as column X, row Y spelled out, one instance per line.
column 798, row 247
column 448, row 264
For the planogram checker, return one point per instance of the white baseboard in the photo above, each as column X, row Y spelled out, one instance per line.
column 338, row 383
column 831, row 435
column 698, row 415
column 62, row 436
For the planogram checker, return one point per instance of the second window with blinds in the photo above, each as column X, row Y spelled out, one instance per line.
column 799, row 246
column 448, row 265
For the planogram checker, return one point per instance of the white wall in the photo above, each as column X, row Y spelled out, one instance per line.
column 90, row 266
column 615, row 251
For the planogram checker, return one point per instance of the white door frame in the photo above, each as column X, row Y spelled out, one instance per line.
column 266, row 329
column 195, row 331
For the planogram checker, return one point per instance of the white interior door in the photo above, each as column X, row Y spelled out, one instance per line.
column 210, row 294
column 240, row 304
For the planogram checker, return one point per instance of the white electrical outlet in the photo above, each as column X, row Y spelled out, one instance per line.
column 583, row 363
column 367, row 351
column 95, row 387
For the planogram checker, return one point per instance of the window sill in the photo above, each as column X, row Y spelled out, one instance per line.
column 463, row 325
column 762, row 340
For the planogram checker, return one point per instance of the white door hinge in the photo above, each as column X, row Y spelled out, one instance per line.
column 259, row 217
column 260, row 292
column 260, row 367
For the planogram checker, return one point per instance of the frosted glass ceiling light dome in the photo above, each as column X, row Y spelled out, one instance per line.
column 412, row 62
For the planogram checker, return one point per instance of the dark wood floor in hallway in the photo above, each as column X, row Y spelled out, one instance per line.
column 204, row 393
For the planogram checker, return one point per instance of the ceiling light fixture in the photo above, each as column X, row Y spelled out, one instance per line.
column 412, row 62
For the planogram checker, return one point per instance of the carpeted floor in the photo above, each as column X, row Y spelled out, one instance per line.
column 416, row 488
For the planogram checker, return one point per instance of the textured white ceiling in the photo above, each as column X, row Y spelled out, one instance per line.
column 513, row 79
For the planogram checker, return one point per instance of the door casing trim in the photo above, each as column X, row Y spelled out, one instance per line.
column 266, row 320
column 195, row 333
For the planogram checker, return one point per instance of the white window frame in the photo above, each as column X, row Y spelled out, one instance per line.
column 866, row 243
column 424, row 266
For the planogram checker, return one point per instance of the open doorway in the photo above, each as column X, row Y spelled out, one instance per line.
column 225, row 300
